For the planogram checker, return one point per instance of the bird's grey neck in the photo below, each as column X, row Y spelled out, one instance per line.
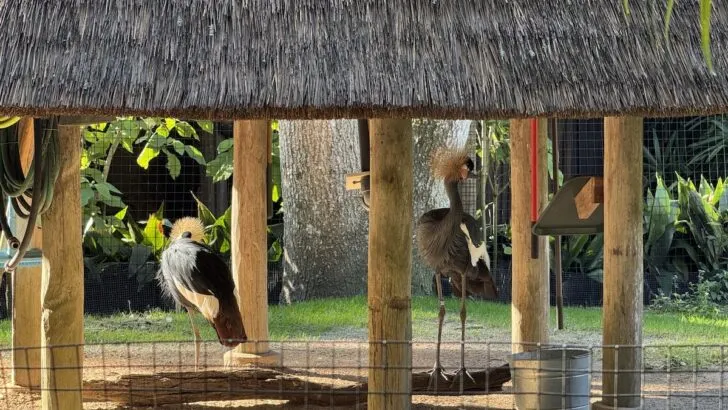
column 456, row 204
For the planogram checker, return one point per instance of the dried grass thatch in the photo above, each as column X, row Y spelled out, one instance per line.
column 365, row 58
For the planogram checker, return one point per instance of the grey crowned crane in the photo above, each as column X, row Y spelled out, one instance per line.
column 196, row 278
column 451, row 242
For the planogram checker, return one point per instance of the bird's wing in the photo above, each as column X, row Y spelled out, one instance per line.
column 427, row 227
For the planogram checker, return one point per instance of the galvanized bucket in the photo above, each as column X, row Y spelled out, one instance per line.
column 550, row 379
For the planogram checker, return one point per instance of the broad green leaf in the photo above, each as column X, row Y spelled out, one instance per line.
column 121, row 214
column 151, row 150
column 93, row 174
column 275, row 196
column 86, row 194
column 195, row 154
column 103, row 190
column 225, row 145
column 170, row 123
column 150, row 122
column 153, row 233
column 203, row 212
column 173, row 165
column 179, row 146
column 114, row 201
column 221, row 168
column 162, row 130
column 207, row 126
column 146, row 156
column 274, row 125
column 85, row 161
column 185, row 130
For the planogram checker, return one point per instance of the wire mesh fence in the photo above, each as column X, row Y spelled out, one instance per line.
column 136, row 181
column 684, row 159
column 334, row 374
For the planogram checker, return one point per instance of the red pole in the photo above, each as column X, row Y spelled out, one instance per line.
column 534, row 185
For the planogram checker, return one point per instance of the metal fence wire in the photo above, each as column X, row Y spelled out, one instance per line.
column 123, row 183
column 333, row 374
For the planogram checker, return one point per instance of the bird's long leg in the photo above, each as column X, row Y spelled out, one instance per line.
column 462, row 376
column 198, row 339
column 437, row 374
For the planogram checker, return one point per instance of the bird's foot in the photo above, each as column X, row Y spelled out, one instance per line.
column 438, row 378
column 463, row 380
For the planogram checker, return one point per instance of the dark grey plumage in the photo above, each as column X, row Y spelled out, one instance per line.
column 443, row 246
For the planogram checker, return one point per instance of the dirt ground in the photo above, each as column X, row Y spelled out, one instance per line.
column 703, row 389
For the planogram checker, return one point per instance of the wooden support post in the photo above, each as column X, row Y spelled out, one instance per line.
column 249, row 240
column 530, row 277
column 62, row 283
column 622, row 262
column 390, row 264
column 26, row 285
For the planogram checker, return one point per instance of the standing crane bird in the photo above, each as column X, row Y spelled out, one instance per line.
column 196, row 278
column 451, row 242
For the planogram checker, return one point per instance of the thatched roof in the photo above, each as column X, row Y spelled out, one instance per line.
column 347, row 58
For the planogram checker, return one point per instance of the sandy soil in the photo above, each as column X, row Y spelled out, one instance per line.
column 703, row 389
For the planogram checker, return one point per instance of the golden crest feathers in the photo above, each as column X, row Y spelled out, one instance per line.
column 188, row 224
column 446, row 163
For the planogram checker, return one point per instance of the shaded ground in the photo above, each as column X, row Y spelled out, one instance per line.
column 348, row 359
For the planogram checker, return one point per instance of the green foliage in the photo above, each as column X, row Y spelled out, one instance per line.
column 660, row 221
column 707, row 297
column 217, row 229
column 713, row 141
column 221, row 167
column 686, row 234
column 120, row 238
column 665, row 156
column 583, row 255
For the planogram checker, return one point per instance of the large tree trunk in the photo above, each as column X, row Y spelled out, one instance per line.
column 325, row 239
column 428, row 192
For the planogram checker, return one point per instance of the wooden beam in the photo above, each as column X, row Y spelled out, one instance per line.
column 62, row 283
column 390, row 264
column 26, row 284
column 589, row 198
column 249, row 240
column 84, row 120
column 174, row 388
column 622, row 306
column 530, row 277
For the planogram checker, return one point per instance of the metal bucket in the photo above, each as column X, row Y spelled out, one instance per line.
column 549, row 379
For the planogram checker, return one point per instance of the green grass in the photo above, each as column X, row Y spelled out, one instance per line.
column 331, row 317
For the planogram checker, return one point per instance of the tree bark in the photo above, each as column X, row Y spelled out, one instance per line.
column 325, row 240
column 325, row 237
